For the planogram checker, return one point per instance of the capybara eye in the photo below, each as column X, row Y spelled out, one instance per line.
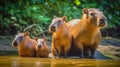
column 42, row 42
column 59, row 20
column 21, row 37
column 92, row 14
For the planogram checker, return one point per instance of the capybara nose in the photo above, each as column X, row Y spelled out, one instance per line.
column 102, row 20
column 39, row 46
column 14, row 43
column 52, row 27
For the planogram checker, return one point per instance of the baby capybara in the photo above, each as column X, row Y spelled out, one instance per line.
column 42, row 48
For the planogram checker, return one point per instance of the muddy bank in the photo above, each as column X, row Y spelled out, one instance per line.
column 110, row 51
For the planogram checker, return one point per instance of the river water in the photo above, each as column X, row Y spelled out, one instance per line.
column 15, row 61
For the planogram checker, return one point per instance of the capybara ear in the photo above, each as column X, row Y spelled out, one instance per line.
column 36, row 38
column 55, row 17
column 18, row 32
column 45, row 39
column 85, row 11
column 64, row 18
column 26, row 33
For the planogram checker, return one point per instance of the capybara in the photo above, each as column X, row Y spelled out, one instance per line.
column 41, row 48
column 73, row 22
column 86, row 33
column 61, row 37
column 26, row 45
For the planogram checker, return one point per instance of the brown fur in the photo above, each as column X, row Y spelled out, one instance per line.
column 26, row 45
column 53, row 51
column 73, row 22
column 61, row 38
column 86, row 33
column 43, row 50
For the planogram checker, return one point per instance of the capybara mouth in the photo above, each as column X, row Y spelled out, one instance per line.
column 39, row 46
column 52, row 29
column 14, row 44
column 102, row 24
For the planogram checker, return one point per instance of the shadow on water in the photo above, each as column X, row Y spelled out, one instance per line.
column 11, row 60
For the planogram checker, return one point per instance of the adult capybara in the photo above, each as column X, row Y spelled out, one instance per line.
column 26, row 45
column 72, row 23
column 42, row 48
column 86, row 32
column 61, row 37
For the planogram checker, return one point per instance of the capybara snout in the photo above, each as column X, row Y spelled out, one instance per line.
column 14, row 43
column 39, row 46
column 52, row 28
column 102, row 22
column 18, row 38
column 56, row 23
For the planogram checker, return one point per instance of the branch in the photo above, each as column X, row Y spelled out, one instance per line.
column 43, row 32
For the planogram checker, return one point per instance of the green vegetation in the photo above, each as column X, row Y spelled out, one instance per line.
column 36, row 15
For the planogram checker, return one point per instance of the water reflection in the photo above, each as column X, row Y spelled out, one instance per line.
column 26, row 62
column 38, row 64
column 84, row 63
column 12, row 61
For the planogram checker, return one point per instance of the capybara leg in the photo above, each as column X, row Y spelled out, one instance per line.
column 21, row 55
column 86, row 54
column 34, row 53
column 92, row 53
column 53, row 52
column 66, row 49
column 57, row 52
column 94, row 47
column 47, row 54
column 28, row 56
column 81, row 52
column 65, row 54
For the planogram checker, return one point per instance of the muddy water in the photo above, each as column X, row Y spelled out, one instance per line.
column 15, row 61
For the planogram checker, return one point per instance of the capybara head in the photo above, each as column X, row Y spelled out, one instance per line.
column 95, row 16
column 19, row 38
column 40, row 42
column 56, row 23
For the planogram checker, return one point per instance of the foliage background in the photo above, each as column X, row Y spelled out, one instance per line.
column 36, row 15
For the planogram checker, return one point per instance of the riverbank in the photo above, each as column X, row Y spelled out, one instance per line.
column 109, row 47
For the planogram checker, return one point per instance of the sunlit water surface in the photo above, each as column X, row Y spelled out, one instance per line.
column 15, row 61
